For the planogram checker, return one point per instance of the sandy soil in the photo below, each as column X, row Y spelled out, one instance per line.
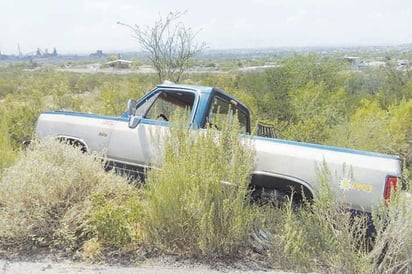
column 157, row 266
column 46, row 261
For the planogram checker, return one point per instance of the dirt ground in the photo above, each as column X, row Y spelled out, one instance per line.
column 43, row 261
column 155, row 266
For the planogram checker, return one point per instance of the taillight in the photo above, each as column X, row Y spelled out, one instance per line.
column 391, row 185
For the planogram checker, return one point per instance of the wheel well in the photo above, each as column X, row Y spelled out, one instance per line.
column 266, row 183
column 77, row 143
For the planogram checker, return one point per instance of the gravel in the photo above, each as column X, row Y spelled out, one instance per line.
column 155, row 267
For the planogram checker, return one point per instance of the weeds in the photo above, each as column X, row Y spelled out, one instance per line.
column 393, row 247
column 318, row 236
column 196, row 205
column 46, row 199
column 198, row 202
column 7, row 153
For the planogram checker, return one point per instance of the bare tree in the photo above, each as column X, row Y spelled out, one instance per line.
column 169, row 45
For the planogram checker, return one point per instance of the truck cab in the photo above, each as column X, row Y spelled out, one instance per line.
column 204, row 107
column 133, row 144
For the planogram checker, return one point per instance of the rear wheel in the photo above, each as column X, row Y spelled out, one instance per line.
column 274, row 197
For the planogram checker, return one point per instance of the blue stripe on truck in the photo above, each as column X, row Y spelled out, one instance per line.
column 325, row 147
column 124, row 118
column 88, row 115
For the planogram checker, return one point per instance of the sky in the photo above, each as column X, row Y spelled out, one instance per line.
column 84, row 26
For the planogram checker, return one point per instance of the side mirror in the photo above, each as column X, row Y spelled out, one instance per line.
column 131, row 111
column 131, row 107
column 134, row 121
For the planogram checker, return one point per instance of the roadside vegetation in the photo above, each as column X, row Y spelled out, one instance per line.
column 55, row 197
column 199, row 203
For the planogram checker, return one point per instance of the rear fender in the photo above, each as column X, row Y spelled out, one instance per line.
column 282, row 183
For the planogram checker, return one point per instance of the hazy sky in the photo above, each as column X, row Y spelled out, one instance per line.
column 83, row 26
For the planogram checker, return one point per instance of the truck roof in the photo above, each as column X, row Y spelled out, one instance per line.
column 201, row 89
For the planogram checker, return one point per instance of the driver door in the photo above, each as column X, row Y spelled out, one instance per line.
column 142, row 145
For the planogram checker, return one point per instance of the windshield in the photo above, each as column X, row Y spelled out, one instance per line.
column 165, row 104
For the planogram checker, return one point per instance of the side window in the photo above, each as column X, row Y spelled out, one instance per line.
column 165, row 104
column 221, row 110
column 144, row 107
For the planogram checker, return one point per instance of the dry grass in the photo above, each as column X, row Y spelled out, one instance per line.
column 45, row 198
column 196, row 205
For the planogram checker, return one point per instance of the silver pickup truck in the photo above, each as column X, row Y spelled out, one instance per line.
column 363, row 178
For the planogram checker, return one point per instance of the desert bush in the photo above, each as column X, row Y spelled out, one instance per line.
column 6, row 151
column 198, row 204
column 20, row 117
column 115, row 217
column 55, row 196
column 49, row 198
column 325, row 237
column 374, row 128
column 393, row 244
column 315, row 111
column 319, row 236
column 108, row 219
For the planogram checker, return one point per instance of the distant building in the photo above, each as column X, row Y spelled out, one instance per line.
column 45, row 53
column 3, row 57
column 99, row 54
column 402, row 64
column 354, row 61
column 376, row 64
column 119, row 63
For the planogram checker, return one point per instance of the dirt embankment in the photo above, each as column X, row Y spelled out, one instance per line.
column 156, row 266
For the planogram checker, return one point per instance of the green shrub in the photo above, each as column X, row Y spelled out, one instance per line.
column 393, row 245
column 56, row 196
column 324, row 237
column 115, row 217
column 198, row 202
column 371, row 127
column 320, row 236
column 46, row 198
column 315, row 111
column 6, row 150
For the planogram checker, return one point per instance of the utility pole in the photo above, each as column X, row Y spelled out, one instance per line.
column 18, row 48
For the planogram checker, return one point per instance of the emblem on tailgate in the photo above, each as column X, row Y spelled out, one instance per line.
column 103, row 134
column 347, row 184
